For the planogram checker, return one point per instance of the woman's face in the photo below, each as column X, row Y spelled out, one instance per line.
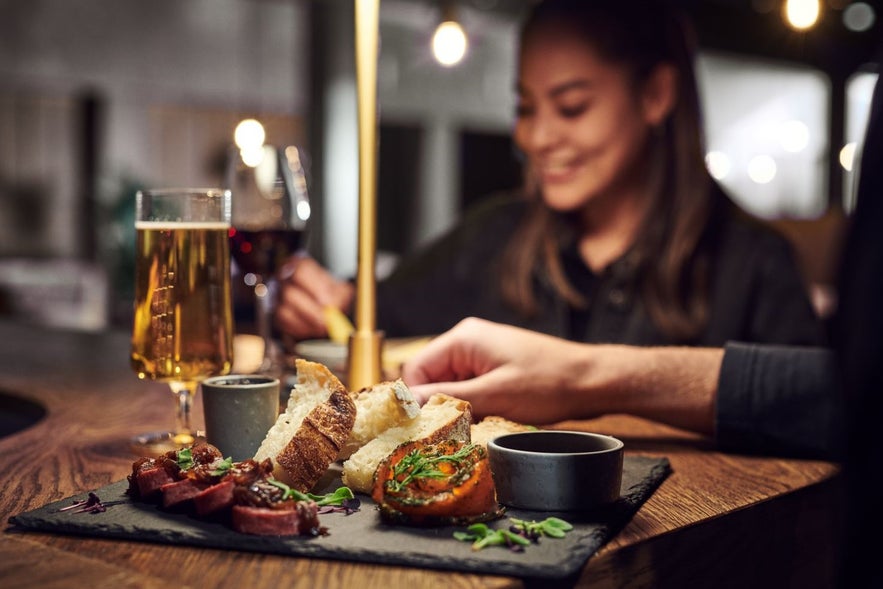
column 579, row 122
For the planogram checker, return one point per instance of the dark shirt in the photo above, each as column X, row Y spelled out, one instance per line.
column 779, row 400
column 756, row 290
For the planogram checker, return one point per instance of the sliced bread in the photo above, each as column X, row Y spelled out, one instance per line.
column 309, row 435
column 378, row 408
column 441, row 418
column 492, row 426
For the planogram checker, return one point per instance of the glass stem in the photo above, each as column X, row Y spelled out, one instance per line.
column 264, row 315
column 184, row 393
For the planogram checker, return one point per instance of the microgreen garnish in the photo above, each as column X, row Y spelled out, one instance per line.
column 91, row 505
column 185, row 459
column 481, row 536
column 346, row 506
column 415, row 465
column 551, row 526
column 221, row 468
column 520, row 534
column 341, row 500
column 338, row 497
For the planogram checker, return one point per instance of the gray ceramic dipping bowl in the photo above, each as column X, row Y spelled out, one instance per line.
column 549, row 470
column 239, row 410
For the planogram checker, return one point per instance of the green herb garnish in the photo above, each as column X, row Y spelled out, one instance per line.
column 551, row 526
column 481, row 536
column 415, row 465
column 338, row 497
column 520, row 534
column 185, row 459
column 223, row 467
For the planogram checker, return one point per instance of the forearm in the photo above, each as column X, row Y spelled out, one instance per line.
column 671, row 385
column 782, row 400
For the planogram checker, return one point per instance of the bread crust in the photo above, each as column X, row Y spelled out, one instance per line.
column 316, row 443
column 309, row 434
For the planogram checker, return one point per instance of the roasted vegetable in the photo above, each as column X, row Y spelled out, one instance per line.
column 436, row 484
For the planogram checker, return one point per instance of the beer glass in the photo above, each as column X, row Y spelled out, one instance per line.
column 183, row 322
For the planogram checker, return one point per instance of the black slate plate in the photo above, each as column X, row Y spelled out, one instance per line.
column 361, row 536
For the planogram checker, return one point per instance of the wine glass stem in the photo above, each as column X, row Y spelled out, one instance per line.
column 184, row 393
column 264, row 315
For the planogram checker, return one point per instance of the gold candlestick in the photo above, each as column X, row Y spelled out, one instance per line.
column 366, row 342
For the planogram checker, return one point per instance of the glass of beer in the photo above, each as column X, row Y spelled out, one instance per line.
column 183, row 321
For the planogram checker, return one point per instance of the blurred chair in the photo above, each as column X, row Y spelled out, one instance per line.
column 62, row 293
column 818, row 244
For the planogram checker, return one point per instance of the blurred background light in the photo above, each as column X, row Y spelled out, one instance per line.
column 794, row 136
column 718, row 164
column 847, row 156
column 762, row 169
column 449, row 42
column 303, row 210
column 249, row 134
column 802, row 14
column 252, row 156
column 265, row 170
column 249, row 137
column 859, row 17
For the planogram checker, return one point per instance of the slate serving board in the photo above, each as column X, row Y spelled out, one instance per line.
column 361, row 536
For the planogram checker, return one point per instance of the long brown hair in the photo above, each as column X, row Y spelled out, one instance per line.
column 639, row 35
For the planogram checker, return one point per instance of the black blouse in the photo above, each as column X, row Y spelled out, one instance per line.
column 756, row 290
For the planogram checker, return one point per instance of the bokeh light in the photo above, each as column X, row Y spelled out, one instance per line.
column 847, row 156
column 802, row 14
column 718, row 164
column 449, row 43
column 762, row 169
column 794, row 136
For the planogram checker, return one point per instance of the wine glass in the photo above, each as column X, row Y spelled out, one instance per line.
column 270, row 212
column 183, row 325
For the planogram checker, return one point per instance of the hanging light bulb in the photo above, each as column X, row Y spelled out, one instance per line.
column 802, row 14
column 449, row 43
column 249, row 133
column 249, row 137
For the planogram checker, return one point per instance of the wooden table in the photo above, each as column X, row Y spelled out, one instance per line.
column 719, row 520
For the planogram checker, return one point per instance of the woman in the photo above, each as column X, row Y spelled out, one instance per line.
column 621, row 235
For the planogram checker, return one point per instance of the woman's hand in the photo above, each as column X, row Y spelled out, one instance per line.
column 305, row 289
column 538, row 379
column 501, row 370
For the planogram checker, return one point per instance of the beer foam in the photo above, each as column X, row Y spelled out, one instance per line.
column 181, row 225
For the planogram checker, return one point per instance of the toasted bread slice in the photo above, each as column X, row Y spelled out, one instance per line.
column 308, row 436
column 441, row 418
column 492, row 426
column 378, row 408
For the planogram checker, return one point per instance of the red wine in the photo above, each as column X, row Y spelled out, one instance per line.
column 262, row 252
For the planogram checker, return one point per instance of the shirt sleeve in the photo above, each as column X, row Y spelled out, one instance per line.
column 779, row 400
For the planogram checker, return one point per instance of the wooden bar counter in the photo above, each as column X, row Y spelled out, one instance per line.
column 718, row 520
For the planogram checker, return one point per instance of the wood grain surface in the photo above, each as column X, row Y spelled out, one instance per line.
column 719, row 520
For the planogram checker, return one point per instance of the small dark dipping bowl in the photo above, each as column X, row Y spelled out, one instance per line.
column 549, row 470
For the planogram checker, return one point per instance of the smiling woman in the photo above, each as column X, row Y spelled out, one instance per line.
column 620, row 234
